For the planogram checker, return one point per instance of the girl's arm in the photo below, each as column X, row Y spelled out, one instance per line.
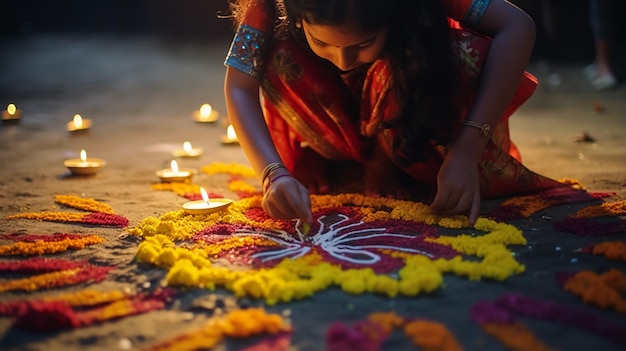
column 286, row 198
column 513, row 33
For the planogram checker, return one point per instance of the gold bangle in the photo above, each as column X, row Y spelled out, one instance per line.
column 483, row 129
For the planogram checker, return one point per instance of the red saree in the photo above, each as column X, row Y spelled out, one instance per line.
column 306, row 103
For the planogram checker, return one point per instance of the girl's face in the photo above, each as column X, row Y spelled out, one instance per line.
column 344, row 46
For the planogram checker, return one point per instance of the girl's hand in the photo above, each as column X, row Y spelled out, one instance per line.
column 287, row 198
column 458, row 187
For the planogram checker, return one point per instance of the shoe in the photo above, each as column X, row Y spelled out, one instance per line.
column 604, row 82
column 590, row 71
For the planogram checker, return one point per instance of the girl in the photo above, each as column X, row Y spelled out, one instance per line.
column 406, row 89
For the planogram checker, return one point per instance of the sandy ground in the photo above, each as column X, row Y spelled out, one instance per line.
column 140, row 93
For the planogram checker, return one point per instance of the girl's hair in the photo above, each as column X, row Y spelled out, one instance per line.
column 418, row 51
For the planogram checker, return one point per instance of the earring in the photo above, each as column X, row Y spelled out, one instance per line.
column 298, row 24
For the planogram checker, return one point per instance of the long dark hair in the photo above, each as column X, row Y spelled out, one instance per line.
column 419, row 54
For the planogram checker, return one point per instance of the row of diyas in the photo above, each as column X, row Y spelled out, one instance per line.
column 89, row 166
column 206, row 114
column 85, row 166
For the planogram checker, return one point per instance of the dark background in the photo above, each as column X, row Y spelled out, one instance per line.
column 564, row 32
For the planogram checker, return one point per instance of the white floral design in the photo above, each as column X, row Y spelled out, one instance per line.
column 335, row 239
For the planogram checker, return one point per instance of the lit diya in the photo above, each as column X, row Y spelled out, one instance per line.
column 188, row 151
column 174, row 174
column 78, row 124
column 11, row 114
column 206, row 114
column 206, row 205
column 84, row 166
column 231, row 137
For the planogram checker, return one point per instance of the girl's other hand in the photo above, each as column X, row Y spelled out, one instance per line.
column 287, row 198
column 458, row 188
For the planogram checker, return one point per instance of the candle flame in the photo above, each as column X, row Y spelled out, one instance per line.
column 187, row 146
column 205, row 110
column 230, row 132
column 205, row 196
column 83, row 155
column 174, row 166
column 78, row 121
column 11, row 109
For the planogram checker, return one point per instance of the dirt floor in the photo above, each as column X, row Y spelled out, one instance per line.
column 140, row 94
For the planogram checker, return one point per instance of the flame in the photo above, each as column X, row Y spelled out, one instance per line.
column 78, row 121
column 187, row 146
column 11, row 109
column 83, row 155
column 230, row 133
column 174, row 166
column 205, row 196
column 205, row 110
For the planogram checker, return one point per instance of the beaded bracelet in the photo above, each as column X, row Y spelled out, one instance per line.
column 483, row 129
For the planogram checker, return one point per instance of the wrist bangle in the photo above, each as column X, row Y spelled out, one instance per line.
column 269, row 169
column 483, row 129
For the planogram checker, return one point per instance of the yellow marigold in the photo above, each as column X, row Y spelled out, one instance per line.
column 177, row 187
column 243, row 186
column 383, row 285
column 415, row 280
column 85, row 204
column 251, row 285
column 219, row 276
column 229, row 168
column 354, row 281
column 183, row 273
column 147, row 252
column 167, row 257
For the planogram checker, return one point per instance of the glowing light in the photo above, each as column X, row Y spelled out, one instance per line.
column 83, row 155
column 205, row 111
column 11, row 109
column 187, row 146
column 174, row 166
column 205, row 196
column 230, row 133
column 78, row 121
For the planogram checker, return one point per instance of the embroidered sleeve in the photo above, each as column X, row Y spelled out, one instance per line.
column 475, row 12
column 468, row 12
column 245, row 52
